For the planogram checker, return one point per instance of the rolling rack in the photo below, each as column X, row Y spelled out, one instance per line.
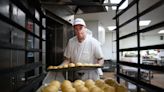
column 137, row 81
column 12, row 73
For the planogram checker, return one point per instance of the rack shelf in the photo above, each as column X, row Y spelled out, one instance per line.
column 5, row 45
column 155, row 26
column 31, row 84
column 161, row 46
column 28, row 13
column 143, row 66
column 149, row 87
column 13, row 23
column 19, row 69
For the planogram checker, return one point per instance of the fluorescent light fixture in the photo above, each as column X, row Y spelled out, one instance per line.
column 105, row 1
column 144, row 22
column 107, row 8
column 161, row 32
column 123, row 6
column 111, row 28
column 101, row 28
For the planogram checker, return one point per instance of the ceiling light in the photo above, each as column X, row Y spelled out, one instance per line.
column 101, row 28
column 144, row 22
column 107, row 8
column 111, row 28
column 105, row 1
column 115, row 1
column 161, row 32
column 123, row 6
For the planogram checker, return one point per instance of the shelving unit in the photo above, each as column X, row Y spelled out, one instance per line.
column 15, row 66
column 137, row 81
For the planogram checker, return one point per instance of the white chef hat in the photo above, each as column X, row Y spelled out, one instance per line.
column 79, row 21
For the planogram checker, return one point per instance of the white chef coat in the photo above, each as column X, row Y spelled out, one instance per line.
column 87, row 51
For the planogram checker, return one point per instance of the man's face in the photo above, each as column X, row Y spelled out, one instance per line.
column 80, row 31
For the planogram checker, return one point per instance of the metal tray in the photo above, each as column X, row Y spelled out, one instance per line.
column 76, row 68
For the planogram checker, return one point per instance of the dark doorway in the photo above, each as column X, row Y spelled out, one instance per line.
column 54, row 43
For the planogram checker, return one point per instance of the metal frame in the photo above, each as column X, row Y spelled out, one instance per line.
column 20, row 69
column 27, row 12
column 13, row 23
column 140, row 84
column 32, row 84
column 26, row 67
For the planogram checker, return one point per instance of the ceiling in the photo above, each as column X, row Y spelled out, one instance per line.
column 95, row 10
column 105, row 18
column 76, row 6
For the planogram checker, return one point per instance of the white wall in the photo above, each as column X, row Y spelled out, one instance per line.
column 151, row 40
column 101, row 35
column 144, row 41
column 93, row 26
column 128, row 42
column 107, row 46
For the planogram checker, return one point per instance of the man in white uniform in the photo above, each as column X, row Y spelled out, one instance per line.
column 160, row 56
column 83, row 48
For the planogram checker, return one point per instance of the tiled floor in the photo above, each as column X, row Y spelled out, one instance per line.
column 158, row 80
column 108, row 75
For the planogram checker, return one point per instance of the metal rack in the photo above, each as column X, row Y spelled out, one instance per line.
column 137, row 81
column 14, row 72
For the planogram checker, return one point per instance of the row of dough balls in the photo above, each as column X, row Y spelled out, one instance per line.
column 73, row 65
column 85, row 86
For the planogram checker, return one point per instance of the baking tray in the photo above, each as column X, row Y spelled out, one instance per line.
column 76, row 68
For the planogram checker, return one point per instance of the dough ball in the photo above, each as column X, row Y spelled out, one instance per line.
column 89, row 82
column 65, row 66
column 50, row 67
column 82, row 89
column 96, row 89
column 97, row 65
column 71, row 65
column 59, row 67
column 55, row 83
column 99, row 82
column 69, row 90
column 78, row 83
column 50, row 88
column 55, row 67
column 66, row 84
column 111, row 82
column 109, row 89
column 91, row 86
column 79, row 64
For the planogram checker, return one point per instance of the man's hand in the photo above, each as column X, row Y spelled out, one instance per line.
column 100, row 61
column 66, row 61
